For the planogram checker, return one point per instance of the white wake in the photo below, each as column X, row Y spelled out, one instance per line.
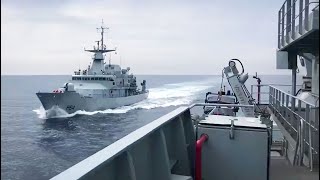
column 164, row 96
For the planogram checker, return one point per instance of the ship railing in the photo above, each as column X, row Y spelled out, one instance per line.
column 216, row 104
column 263, row 98
column 294, row 20
column 300, row 120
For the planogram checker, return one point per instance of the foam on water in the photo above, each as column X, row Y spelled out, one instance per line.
column 164, row 96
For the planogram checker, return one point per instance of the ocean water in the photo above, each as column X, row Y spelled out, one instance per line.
column 34, row 147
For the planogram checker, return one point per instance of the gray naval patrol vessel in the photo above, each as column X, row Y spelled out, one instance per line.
column 101, row 86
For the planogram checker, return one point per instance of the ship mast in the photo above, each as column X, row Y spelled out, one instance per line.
column 102, row 31
column 103, row 47
column 98, row 57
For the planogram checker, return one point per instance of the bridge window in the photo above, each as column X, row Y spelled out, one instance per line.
column 73, row 78
column 78, row 78
column 100, row 78
column 104, row 78
column 92, row 78
column 96, row 78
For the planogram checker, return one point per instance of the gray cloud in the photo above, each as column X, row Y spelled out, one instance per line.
column 153, row 37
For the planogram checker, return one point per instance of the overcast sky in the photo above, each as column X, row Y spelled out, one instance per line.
column 151, row 36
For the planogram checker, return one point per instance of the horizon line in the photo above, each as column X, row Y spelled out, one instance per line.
column 139, row 74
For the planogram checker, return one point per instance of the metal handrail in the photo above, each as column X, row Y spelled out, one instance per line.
column 287, row 17
column 292, row 96
column 297, row 118
column 281, row 9
column 302, row 125
column 271, row 85
column 199, row 144
column 222, row 105
column 267, row 92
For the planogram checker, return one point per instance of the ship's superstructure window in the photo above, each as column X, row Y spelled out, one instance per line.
column 93, row 78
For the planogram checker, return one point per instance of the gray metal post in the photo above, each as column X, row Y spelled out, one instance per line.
column 279, row 29
column 306, row 15
column 294, row 77
column 288, row 20
column 315, row 75
column 282, row 26
column 293, row 20
column 300, row 16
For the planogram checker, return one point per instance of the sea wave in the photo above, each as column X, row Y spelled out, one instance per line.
column 163, row 96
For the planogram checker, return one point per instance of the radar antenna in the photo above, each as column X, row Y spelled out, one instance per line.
column 102, row 48
column 102, row 28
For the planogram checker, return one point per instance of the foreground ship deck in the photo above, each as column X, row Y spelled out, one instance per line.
column 281, row 169
column 162, row 150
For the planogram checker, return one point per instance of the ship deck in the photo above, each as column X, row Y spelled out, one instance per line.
column 160, row 140
column 281, row 169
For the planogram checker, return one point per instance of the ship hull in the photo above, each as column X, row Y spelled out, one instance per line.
column 72, row 101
